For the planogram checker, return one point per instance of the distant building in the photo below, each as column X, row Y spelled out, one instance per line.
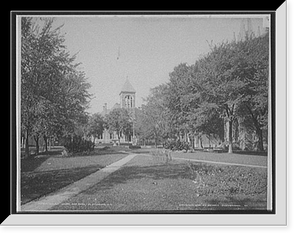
column 127, row 101
column 246, row 29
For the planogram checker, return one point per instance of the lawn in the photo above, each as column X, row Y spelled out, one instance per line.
column 48, row 172
column 37, row 184
column 53, row 160
column 148, row 185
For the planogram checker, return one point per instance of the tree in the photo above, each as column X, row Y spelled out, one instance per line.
column 181, row 100
column 154, row 117
column 228, row 85
column 223, row 79
column 193, row 113
column 236, row 82
column 53, row 92
column 255, row 103
column 72, row 101
column 96, row 126
column 119, row 121
column 141, row 129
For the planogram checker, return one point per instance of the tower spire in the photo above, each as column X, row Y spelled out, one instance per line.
column 127, row 87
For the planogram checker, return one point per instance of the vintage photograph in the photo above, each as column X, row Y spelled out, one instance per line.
column 144, row 113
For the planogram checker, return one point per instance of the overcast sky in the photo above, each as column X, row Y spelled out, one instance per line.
column 144, row 48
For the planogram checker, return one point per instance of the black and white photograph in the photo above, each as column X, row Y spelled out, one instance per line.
column 145, row 113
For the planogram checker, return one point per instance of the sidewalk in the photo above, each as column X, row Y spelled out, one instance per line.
column 221, row 159
column 47, row 202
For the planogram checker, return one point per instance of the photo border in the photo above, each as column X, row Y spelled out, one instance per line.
column 274, row 95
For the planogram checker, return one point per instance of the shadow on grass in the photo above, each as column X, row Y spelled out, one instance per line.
column 34, row 161
column 157, row 172
column 37, row 184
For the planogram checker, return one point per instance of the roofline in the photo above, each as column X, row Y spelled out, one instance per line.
column 127, row 92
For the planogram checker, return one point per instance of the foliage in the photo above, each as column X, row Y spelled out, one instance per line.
column 79, row 145
column 54, row 92
column 119, row 121
column 96, row 125
column 153, row 118
column 239, row 82
column 228, row 84
column 176, row 145
column 255, row 103
column 179, row 99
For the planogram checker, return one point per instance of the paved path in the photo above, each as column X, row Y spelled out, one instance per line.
column 223, row 163
column 223, row 159
column 47, row 202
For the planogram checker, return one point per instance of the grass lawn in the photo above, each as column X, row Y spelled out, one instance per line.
column 37, row 184
column 48, row 172
column 148, row 185
column 53, row 160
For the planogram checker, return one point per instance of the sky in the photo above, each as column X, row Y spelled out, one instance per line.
column 143, row 48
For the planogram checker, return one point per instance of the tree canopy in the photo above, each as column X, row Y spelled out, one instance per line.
column 228, row 84
column 119, row 120
column 54, row 93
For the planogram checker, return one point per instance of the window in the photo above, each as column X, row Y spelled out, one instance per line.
column 128, row 101
column 131, row 102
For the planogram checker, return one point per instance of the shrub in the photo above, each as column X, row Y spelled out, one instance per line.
column 176, row 145
column 79, row 145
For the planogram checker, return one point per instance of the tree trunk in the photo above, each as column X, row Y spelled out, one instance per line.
column 259, row 133
column 201, row 144
column 27, row 153
column 230, row 136
column 260, row 146
column 37, row 147
column 46, row 143
column 193, row 142
column 119, row 142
